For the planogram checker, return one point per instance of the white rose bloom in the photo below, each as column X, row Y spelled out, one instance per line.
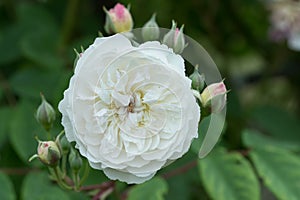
column 130, row 110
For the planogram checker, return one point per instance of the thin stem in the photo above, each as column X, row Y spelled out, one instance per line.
column 180, row 170
column 76, row 180
column 101, row 186
column 48, row 135
column 104, row 192
column 59, row 180
column 60, row 134
column 85, row 173
column 18, row 171
column 97, row 196
column 64, row 165
column 77, row 185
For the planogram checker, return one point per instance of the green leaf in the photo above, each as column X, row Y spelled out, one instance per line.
column 279, row 170
column 40, row 46
column 78, row 196
column 4, row 119
column 9, row 43
column 154, row 189
column 228, row 176
column 29, row 83
column 34, row 16
column 23, row 129
column 37, row 186
column 7, row 191
column 277, row 122
column 256, row 139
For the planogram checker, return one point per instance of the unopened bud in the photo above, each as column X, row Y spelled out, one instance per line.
column 45, row 114
column 214, row 96
column 118, row 19
column 150, row 30
column 198, row 80
column 48, row 153
column 175, row 38
column 75, row 160
column 64, row 145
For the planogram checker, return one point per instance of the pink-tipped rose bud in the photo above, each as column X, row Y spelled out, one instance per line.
column 214, row 96
column 118, row 19
column 175, row 38
column 48, row 152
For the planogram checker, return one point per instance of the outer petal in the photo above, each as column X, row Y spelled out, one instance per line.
column 126, row 177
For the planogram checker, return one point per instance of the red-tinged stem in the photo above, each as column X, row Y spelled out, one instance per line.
column 18, row 171
column 180, row 170
column 102, row 186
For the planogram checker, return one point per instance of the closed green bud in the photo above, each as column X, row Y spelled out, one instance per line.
column 150, row 30
column 75, row 160
column 198, row 80
column 64, row 145
column 45, row 114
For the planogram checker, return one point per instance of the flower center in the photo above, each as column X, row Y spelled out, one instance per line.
column 130, row 107
column 136, row 103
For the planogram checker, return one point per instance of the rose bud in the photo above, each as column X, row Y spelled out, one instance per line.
column 45, row 114
column 118, row 19
column 75, row 161
column 48, row 153
column 175, row 38
column 198, row 80
column 64, row 145
column 150, row 30
column 214, row 96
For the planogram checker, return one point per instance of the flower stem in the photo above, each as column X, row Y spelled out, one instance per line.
column 59, row 180
column 180, row 170
column 85, row 173
column 101, row 186
column 76, row 180
column 64, row 165
column 48, row 135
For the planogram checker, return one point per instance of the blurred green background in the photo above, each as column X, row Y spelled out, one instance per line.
column 258, row 155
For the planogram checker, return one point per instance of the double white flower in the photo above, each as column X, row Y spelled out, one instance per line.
column 130, row 110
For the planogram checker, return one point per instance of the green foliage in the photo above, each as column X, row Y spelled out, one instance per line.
column 228, row 176
column 279, row 170
column 6, row 190
column 10, row 38
column 262, row 127
column 23, row 129
column 4, row 125
column 277, row 123
column 255, row 139
column 155, row 189
column 37, row 186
